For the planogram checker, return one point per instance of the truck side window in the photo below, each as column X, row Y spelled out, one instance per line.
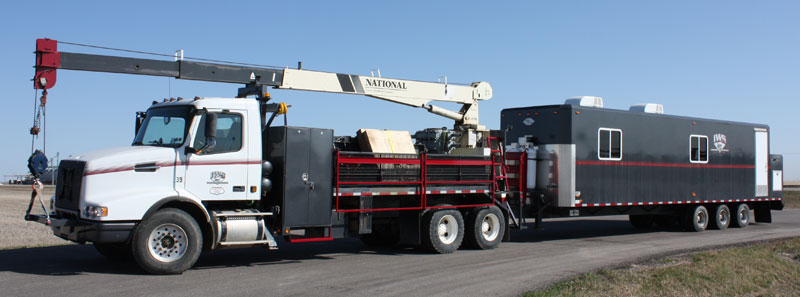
column 229, row 134
column 609, row 144
column 698, row 149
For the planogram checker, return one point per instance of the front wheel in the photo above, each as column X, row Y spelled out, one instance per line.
column 168, row 242
column 443, row 231
column 485, row 229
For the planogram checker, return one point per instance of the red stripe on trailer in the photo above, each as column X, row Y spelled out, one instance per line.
column 674, row 202
column 651, row 164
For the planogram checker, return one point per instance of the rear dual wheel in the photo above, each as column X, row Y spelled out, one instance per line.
column 485, row 228
column 443, row 231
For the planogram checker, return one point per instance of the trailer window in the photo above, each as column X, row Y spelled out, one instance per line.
column 609, row 144
column 698, row 149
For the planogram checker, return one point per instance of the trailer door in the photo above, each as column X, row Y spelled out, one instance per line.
column 762, row 158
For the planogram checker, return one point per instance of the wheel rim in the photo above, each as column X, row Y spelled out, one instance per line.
column 447, row 229
column 724, row 216
column 490, row 227
column 167, row 242
column 744, row 216
column 701, row 218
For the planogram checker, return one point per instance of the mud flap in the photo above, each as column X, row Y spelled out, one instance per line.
column 763, row 213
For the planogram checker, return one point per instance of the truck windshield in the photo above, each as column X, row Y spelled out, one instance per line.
column 165, row 127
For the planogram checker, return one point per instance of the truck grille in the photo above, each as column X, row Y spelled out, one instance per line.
column 68, row 184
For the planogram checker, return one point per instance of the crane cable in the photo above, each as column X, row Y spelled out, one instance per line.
column 38, row 157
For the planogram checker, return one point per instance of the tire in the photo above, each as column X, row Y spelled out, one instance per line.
column 485, row 228
column 641, row 221
column 722, row 217
column 443, row 231
column 742, row 216
column 382, row 236
column 168, row 242
column 114, row 251
column 697, row 219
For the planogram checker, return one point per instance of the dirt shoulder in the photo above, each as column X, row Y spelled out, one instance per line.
column 16, row 232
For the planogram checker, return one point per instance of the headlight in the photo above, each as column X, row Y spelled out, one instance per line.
column 95, row 211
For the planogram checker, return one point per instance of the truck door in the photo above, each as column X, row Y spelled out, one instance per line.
column 219, row 173
column 762, row 158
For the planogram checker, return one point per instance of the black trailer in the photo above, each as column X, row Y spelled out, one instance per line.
column 573, row 160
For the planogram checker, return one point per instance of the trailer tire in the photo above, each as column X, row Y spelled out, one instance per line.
column 722, row 217
column 742, row 218
column 443, row 231
column 641, row 221
column 168, row 242
column 486, row 228
column 697, row 219
column 114, row 251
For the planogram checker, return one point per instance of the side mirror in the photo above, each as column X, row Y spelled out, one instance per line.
column 140, row 116
column 211, row 131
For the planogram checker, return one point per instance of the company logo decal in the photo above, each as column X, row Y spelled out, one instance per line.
column 217, row 191
column 720, row 143
column 528, row 121
column 386, row 84
column 217, row 178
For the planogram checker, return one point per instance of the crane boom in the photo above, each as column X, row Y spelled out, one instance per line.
column 407, row 92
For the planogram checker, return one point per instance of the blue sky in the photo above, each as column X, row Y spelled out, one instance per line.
column 732, row 60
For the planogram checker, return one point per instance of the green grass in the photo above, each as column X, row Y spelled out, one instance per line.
column 769, row 269
column 791, row 199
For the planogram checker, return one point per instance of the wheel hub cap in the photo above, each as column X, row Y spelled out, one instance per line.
column 447, row 229
column 167, row 243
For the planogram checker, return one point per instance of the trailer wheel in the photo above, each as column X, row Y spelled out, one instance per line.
column 641, row 221
column 114, row 251
column 444, row 231
column 697, row 219
column 722, row 217
column 485, row 229
column 742, row 216
column 168, row 242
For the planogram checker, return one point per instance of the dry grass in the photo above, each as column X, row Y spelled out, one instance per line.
column 791, row 199
column 16, row 232
column 770, row 269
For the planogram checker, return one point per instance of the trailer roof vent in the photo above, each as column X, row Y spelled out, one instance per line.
column 588, row 101
column 648, row 108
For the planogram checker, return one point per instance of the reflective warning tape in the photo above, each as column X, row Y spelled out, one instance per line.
column 350, row 194
column 674, row 202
